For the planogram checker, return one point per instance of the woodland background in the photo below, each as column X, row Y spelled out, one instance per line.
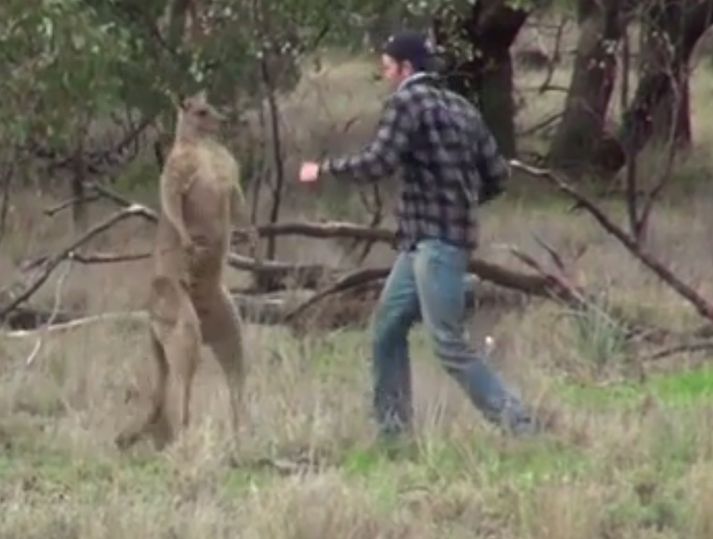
column 594, row 275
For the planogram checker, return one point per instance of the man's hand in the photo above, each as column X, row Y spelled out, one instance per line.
column 309, row 172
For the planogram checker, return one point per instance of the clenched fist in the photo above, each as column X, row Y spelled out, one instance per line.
column 309, row 172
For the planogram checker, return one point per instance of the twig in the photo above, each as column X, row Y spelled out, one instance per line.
column 259, row 178
column 552, row 64
column 55, row 260
column 553, row 254
column 331, row 229
column 541, row 125
column 106, row 258
column 702, row 305
column 121, row 201
column 703, row 346
column 55, row 309
column 550, row 88
column 78, row 322
column 6, row 181
column 668, row 167
column 376, row 218
column 53, row 210
column 631, row 191
column 273, row 269
column 350, row 280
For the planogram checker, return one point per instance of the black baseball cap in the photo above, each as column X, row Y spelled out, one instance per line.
column 412, row 46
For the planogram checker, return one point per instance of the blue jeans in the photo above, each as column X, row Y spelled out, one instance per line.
column 428, row 284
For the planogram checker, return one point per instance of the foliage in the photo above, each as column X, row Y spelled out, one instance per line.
column 66, row 63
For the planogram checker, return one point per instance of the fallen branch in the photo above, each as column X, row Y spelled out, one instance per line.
column 107, row 258
column 255, row 309
column 532, row 284
column 351, row 280
column 574, row 296
column 703, row 306
column 332, row 229
column 556, row 55
column 307, row 274
column 310, row 274
column 55, row 309
column 377, row 214
column 76, row 323
column 119, row 200
column 53, row 210
column 703, row 346
column 5, row 203
column 52, row 262
column 541, row 125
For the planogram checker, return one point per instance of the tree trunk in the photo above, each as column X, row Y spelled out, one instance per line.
column 486, row 75
column 579, row 140
column 672, row 30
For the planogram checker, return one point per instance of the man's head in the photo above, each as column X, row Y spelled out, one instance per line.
column 404, row 54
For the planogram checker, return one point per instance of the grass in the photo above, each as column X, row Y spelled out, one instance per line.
column 629, row 458
column 59, row 473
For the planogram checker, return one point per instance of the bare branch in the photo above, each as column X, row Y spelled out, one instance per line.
column 5, row 205
column 107, row 258
column 702, row 305
column 55, row 309
column 555, row 57
column 76, row 323
column 702, row 346
column 331, row 229
column 53, row 210
column 55, row 260
column 665, row 175
column 541, row 125
column 347, row 282
column 308, row 274
column 528, row 283
column 119, row 200
column 376, row 218
column 552, row 252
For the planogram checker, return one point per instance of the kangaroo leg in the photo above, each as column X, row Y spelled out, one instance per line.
column 151, row 419
column 222, row 333
column 183, row 350
column 175, row 338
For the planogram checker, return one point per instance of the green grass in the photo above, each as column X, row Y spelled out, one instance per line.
column 681, row 389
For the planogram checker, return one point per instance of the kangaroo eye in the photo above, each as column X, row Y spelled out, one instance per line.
column 202, row 113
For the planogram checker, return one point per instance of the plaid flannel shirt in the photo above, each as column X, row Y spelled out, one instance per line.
column 449, row 158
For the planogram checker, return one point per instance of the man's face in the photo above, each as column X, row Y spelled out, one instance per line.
column 394, row 72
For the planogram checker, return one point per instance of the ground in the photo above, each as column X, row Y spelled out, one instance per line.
column 629, row 458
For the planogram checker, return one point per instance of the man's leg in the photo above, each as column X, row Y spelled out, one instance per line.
column 396, row 312
column 439, row 270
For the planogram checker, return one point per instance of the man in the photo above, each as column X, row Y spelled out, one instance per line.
column 450, row 163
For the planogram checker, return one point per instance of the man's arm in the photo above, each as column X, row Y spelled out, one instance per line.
column 492, row 166
column 381, row 157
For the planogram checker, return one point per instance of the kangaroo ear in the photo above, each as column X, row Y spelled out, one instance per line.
column 201, row 96
column 177, row 99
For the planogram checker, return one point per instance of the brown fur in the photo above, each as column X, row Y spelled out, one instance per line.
column 188, row 304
